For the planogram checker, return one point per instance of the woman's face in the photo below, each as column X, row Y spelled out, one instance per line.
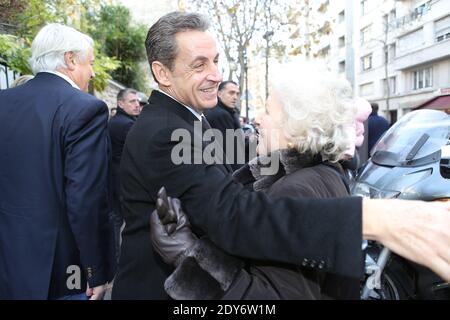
column 271, row 135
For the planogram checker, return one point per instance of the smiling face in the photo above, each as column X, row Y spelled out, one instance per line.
column 195, row 76
column 272, row 136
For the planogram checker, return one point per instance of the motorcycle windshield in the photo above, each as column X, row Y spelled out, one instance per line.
column 416, row 139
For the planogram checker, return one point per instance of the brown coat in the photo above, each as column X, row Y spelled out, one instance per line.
column 300, row 177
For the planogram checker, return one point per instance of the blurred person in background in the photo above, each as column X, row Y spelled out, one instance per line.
column 128, row 109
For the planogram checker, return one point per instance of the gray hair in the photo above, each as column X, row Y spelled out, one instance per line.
column 161, row 44
column 52, row 42
column 318, row 108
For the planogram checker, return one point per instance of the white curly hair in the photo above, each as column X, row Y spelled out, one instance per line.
column 317, row 108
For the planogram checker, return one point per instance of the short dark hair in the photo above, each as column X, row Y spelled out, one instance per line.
column 223, row 84
column 161, row 44
column 374, row 106
column 124, row 92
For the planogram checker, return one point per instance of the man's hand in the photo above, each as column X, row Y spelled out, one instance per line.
column 416, row 230
column 96, row 293
column 170, row 230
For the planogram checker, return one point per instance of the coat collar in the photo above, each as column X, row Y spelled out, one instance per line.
column 290, row 161
column 63, row 76
column 226, row 108
column 158, row 98
column 52, row 79
column 122, row 112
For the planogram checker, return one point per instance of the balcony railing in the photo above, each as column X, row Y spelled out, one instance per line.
column 412, row 16
column 7, row 76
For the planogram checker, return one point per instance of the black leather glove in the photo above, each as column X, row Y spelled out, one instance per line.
column 170, row 230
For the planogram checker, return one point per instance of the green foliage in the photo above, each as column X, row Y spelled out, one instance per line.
column 15, row 49
column 9, row 10
column 103, row 66
column 15, row 53
column 36, row 14
column 112, row 29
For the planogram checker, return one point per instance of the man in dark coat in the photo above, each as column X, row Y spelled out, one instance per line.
column 55, row 234
column 377, row 126
column 165, row 147
column 225, row 116
column 216, row 204
column 128, row 108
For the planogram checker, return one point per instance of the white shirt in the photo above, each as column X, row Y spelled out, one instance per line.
column 195, row 113
column 61, row 75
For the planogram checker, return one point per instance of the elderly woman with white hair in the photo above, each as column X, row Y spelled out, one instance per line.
column 305, row 129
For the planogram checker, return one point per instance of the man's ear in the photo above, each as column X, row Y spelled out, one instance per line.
column 161, row 73
column 69, row 59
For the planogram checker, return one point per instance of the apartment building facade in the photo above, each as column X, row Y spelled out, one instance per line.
column 396, row 53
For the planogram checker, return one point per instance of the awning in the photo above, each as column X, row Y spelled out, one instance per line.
column 437, row 103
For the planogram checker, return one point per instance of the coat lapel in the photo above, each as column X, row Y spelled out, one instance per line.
column 173, row 106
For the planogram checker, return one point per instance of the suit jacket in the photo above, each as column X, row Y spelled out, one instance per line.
column 54, row 190
column 118, row 128
column 243, row 223
column 222, row 118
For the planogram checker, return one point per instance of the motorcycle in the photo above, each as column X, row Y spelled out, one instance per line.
column 410, row 161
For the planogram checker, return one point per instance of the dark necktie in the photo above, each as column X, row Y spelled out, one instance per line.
column 206, row 126
column 205, row 123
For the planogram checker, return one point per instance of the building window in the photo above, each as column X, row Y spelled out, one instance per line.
column 389, row 20
column 385, row 22
column 363, row 7
column 392, row 86
column 442, row 29
column 389, row 52
column 443, row 37
column 422, row 78
column 366, row 89
column 392, row 51
column 341, row 17
column 393, row 116
column 366, row 62
column 422, row 9
column 392, row 15
column 366, row 34
column 342, row 66
column 341, row 42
